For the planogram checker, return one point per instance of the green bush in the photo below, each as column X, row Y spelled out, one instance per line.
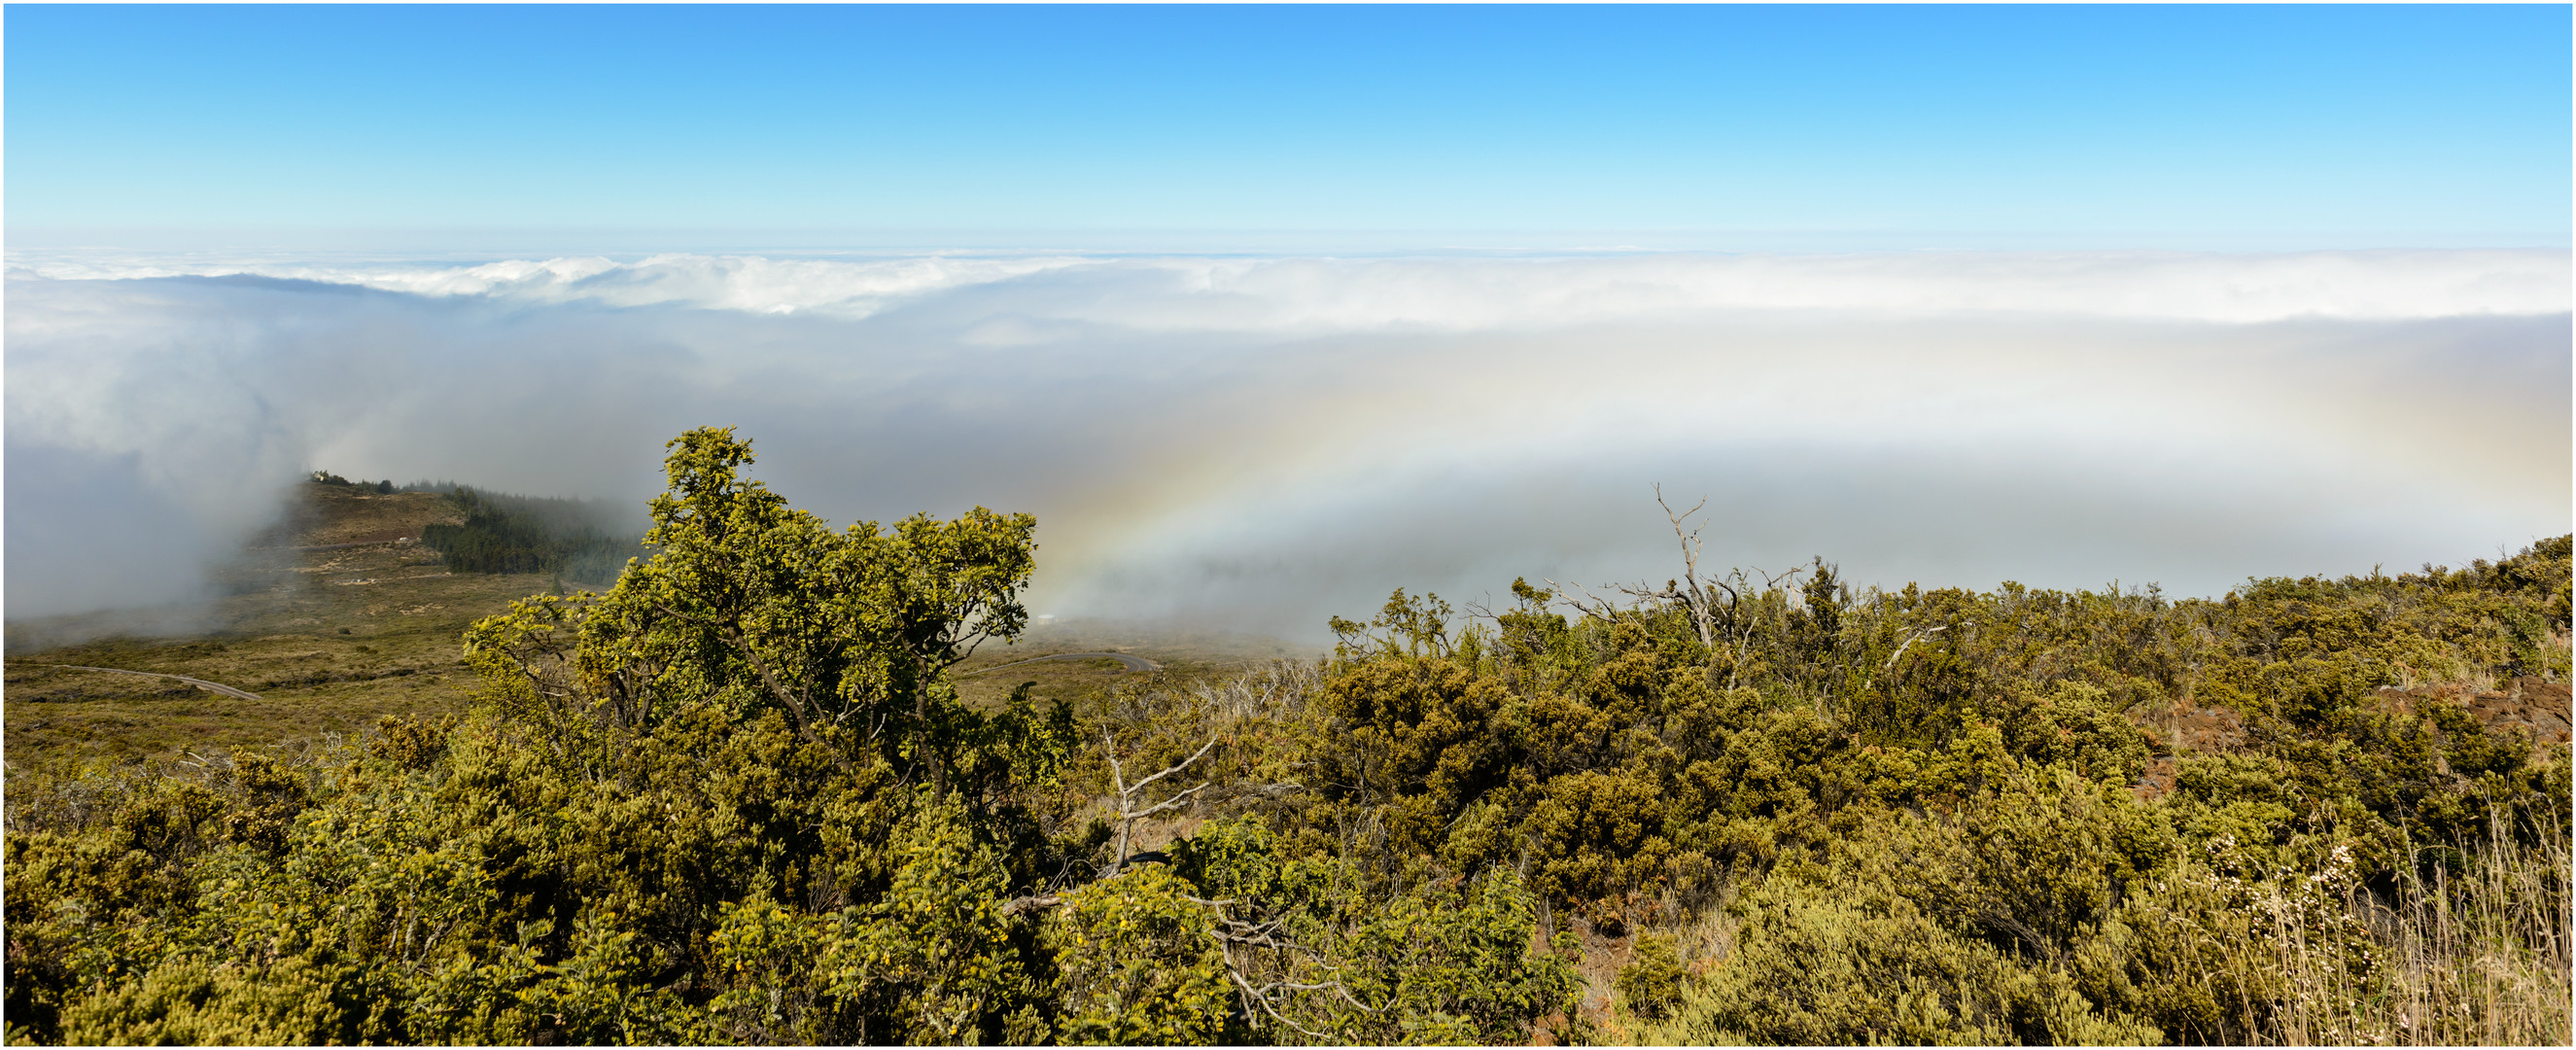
column 736, row 798
column 1651, row 983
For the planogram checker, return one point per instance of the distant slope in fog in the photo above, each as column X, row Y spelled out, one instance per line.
column 586, row 541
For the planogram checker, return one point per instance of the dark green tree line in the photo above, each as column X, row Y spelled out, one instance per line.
column 503, row 533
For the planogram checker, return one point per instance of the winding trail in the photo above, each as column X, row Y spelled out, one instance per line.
column 1132, row 663
column 198, row 682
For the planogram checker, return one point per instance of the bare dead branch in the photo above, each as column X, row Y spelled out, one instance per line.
column 1910, row 639
column 1128, row 814
column 1173, row 802
column 1255, row 997
column 1696, row 598
column 1599, row 609
column 1184, row 764
column 1265, row 996
column 1770, row 582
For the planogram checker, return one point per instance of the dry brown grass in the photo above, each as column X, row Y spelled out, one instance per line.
column 2480, row 958
column 337, row 514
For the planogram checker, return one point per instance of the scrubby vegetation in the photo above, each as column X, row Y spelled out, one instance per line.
column 736, row 798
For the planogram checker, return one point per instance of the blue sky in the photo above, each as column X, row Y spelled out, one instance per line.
column 2187, row 127
column 1227, row 344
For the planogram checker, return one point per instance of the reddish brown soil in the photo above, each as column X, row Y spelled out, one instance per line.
column 2539, row 708
column 2184, row 728
column 2158, row 781
column 2529, row 704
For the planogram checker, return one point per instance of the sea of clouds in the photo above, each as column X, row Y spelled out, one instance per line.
column 1257, row 443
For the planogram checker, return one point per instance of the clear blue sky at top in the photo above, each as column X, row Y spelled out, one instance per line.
column 2284, row 126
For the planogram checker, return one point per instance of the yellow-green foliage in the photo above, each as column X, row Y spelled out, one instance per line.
column 1921, row 803
column 1137, row 963
column 734, row 799
column 1653, row 980
column 930, row 961
column 1445, row 961
column 1849, row 962
column 737, row 799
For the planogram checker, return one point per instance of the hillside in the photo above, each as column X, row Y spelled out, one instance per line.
column 339, row 616
column 334, row 619
column 752, row 794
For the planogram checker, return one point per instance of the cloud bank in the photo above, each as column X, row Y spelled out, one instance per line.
column 1308, row 296
column 1259, row 443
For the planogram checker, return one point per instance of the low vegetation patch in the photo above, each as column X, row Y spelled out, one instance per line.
column 737, row 797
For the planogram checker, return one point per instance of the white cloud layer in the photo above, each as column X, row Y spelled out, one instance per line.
column 1264, row 442
column 1325, row 295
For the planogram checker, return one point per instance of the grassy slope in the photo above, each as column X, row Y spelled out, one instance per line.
column 329, row 639
column 332, row 640
column 1187, row 658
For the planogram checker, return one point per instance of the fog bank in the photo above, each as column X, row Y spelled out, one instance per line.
column 1258, row 443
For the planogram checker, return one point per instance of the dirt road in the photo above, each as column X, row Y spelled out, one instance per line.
column 198, row 682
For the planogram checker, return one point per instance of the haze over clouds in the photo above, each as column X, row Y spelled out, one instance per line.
column 1300, row 295
column 1259, row 443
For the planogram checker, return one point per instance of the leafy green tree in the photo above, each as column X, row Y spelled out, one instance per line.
column 1137, row 962
column 736, row 798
